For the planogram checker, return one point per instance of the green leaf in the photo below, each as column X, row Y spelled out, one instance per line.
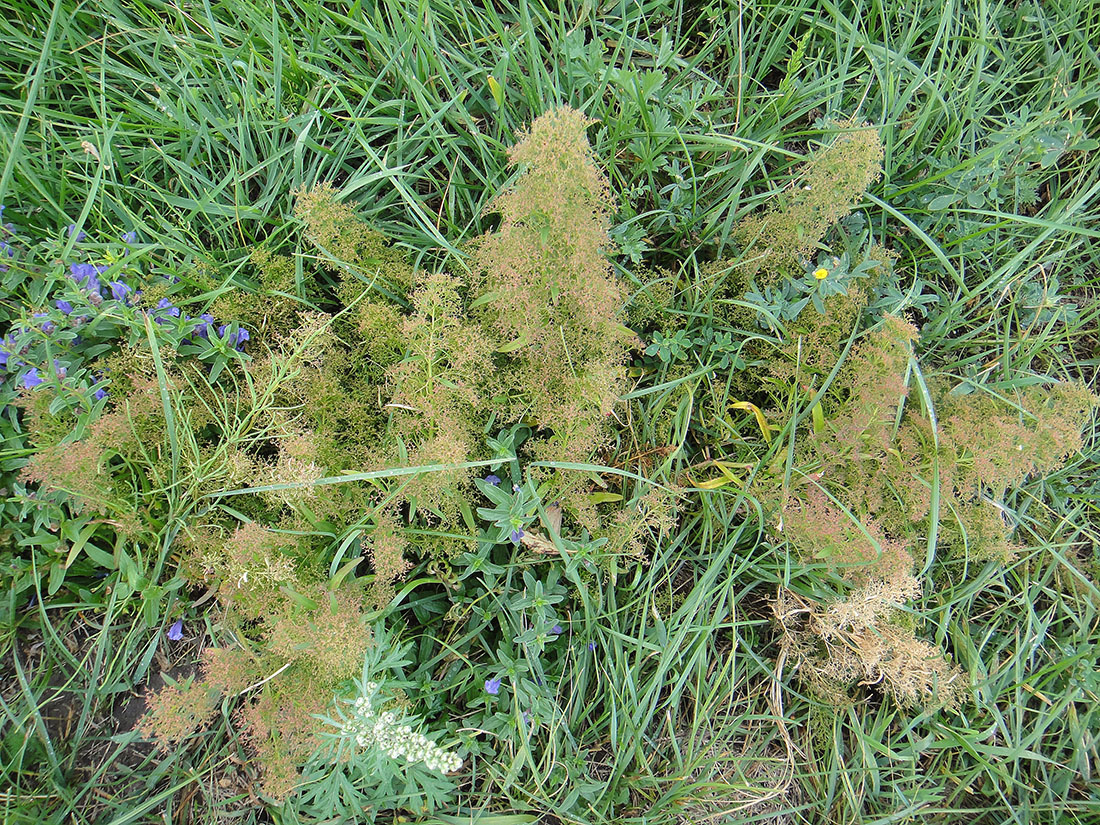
column 604, row 498
column 57, row 578
column 519, row 343
column 495, row 89
column 942, row 202
column 150, row 605
column 298, row 598
column 482, row 300
column 346, row 568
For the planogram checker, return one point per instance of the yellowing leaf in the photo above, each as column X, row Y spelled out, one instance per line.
column 712, row 484
column 759, row 415
column 498, row 92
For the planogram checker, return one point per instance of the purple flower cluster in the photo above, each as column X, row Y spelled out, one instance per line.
column 48, row 326
column 86, row 276
column 91, row 288
column 7, row 251
column 119, row 290
column 165, row 310
column 202, row 324
column 9, row 350
column 237, row 339
column 32, row 379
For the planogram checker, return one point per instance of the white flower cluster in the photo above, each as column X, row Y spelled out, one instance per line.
column 369, row 727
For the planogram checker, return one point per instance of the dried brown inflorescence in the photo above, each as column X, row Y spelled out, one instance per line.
column 438, row 393
column 871, row 461
column 864, row 639
column 409, row 376
column 107, row 470
column 387, row 556
column 175, row 712
column 416, row 368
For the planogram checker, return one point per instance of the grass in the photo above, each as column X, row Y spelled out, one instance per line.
column 207, row 117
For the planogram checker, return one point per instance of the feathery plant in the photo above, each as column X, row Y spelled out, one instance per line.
column 416, row 359
column 831, row 556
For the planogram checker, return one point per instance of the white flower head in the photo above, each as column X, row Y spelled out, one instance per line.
column 368, row 728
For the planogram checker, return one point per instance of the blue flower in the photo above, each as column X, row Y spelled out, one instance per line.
column 557, row 630
column 64, row 306
column 492, row 686
column 493, row 479
column 47, row 327
column 87, row 276
column 592, row 645
column 31, row 378
column 175, row 632
column 59, row 368
column 119, row 290
column 516, row 536
column 129, row 237
column 173, row 310
column 6, row 251
column 202, row 323
column 165, row 308
column 99, row 394
column 71, row 228
column 236, row 340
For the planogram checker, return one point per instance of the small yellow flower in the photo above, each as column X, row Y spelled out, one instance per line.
column 821, row 273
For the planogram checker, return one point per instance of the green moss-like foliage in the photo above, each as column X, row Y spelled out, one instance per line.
column 346, row 244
